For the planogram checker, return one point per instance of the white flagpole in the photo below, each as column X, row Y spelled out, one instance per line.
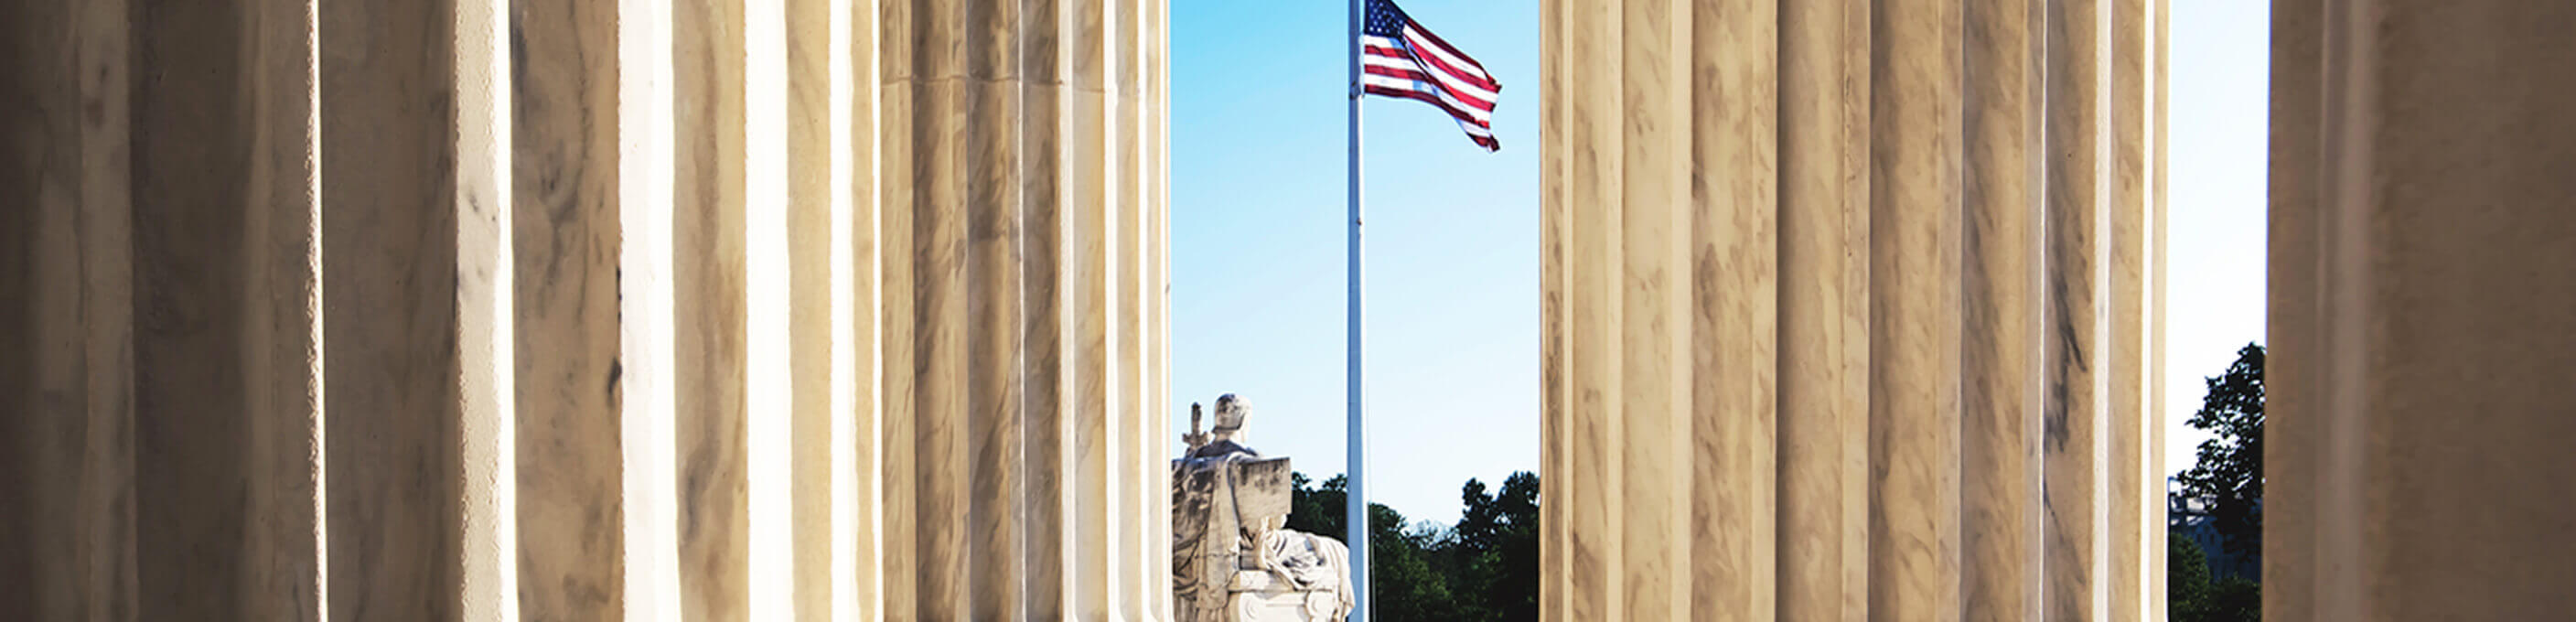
column 1356, row 514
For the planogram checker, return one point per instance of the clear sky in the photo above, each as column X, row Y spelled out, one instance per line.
column 1452, row 267
column 2215, row 202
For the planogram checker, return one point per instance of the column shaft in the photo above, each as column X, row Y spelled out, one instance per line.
column 716, row 309
column 820, row 281
column 2078, row 356
column 709, row 297
column 2001, row 535
column 1728, row 69
column 568, row 170
column 1914, row 310
column 2157, row 469
column 391, row 279
column 68, row 272
column 2136, row 492
column 1593, row 531
column 1898, row 210
column 1823, row 310
column 646, row 367
column 1654, row 334
column 2423, row 466
column 1556, row 223
column 228, row 436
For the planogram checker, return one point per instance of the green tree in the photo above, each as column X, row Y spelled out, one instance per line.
column 1405, row 583
column 2190, row 595
column 2234, row 599
column 1497, row 547
column 2186, row 579
column 2229, row 471
column 1484, row 568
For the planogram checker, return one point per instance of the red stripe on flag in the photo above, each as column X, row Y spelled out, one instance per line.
column 1452, row 49
column 1434, row 100
column 1417, row 76
column 1434, row 61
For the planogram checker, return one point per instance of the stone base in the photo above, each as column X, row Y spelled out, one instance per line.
column 1260, row 596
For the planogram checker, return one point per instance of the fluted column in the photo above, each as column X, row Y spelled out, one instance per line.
column 2421, row 333
column 1672, row 226
column 646, row 369
column 409, row 249
column 2136, row 477
column 1914, row 284
column 2291, row 466
column 1823, row 342
column 565, row 170
column 652, row 310
column 67, row 377
column 2078, row 374
column 228, row 376
column 1021, row 254
column 1828, row 325
column 2002, row 479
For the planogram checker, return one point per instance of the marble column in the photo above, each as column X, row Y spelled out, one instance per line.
column 1823, row 284
column 2290, row 466
column 2421, row 332
column 2078, row 349
column 394, row 232
column 1891, row 208
column 651, row 310
column 2136, row 481
column 1914, row 328
column 229, row 435
column 2001, row 540
column 568, row 369
column 68, row 465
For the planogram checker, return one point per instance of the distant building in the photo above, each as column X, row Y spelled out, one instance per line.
column 2190, row 517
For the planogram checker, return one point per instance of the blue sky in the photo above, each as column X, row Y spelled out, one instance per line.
column 1452, row 268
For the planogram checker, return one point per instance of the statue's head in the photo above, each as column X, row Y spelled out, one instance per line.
column 1230, row 413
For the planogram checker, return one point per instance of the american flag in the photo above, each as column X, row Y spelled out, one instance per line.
column 1402, row 59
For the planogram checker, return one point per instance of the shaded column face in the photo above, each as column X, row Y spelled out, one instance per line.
column 745, row 309
column 1856, row 195
column 2412, row 423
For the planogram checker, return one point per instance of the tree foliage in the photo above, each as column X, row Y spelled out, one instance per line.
column 2190, row 595
column 2186, row 578
column 2229, row 471
column 1484, row 568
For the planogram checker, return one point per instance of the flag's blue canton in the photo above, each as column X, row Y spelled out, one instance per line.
column 1385, row 20
column 1401, row 59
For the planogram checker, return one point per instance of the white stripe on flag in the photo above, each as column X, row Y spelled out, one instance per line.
column 1462, row 89
column 1422, row 44
column 1426, row 87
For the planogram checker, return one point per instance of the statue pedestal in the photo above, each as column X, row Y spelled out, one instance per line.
column 1262, row 596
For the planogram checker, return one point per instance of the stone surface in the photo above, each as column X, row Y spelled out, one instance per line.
column 564, row 240
column 1915, row 302
column 2422, row 329
column 2001, row 568
column 1824, row 312
column 1796, row 308
column 2078, row 350
column 711, row 309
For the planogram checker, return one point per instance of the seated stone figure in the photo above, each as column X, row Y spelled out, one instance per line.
column 1231, row 559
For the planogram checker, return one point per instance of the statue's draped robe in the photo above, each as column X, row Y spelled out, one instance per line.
column 1216, row 501
column 1319, row 565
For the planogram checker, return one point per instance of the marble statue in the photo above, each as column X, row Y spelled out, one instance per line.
column 1232, row 557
